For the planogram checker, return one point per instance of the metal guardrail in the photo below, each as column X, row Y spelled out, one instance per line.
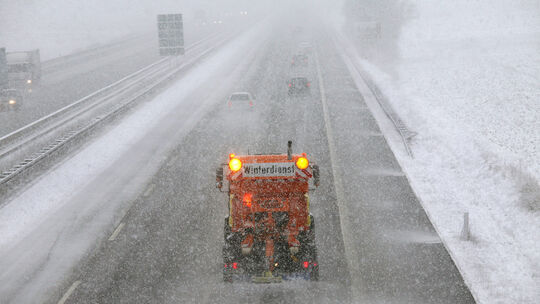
column 400, row 126
column 404, row 132
column 29, row 132
column 143, row 82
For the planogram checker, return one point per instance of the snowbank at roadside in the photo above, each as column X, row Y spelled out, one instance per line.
column 468, row 81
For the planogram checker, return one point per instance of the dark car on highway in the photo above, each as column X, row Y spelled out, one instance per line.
column 299, row 86
column 300, row 60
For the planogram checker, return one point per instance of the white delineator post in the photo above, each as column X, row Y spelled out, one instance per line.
column 465, row 231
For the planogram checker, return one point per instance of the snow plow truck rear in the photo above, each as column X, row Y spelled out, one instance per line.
column 269, row 233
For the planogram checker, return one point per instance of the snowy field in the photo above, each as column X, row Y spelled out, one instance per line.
column 468, row 81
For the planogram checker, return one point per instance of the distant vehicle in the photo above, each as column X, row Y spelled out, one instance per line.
column 24, row 69
column 201, row 17
column 299, row 86
column 368, row 30
column 241, row 100
column 300, row 60
column 305, row 47
column 10, row 99
column 4, row 79
column 269, row 234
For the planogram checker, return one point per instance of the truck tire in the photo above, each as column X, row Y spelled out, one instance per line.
column 308, row 239
column 227, row 251
column 226, row 229
column 227, row 275
column 230, row 243
column 310, row 250
column 314, row 275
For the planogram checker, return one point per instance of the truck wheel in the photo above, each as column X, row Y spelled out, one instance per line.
column 314, row 275
column 229, row 243
column 309, row 250
column 227, row 278
column 312, row 226
column 226, row 229
column 228, row 257
column 309, row 237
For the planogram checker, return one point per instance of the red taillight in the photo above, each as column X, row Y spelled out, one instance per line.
column 306, row 264
column 290, row 85
column 235, row 265
column 225, row 265
column 314, row 264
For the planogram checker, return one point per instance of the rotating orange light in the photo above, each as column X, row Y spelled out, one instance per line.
column 302, row 163
column 235, row 164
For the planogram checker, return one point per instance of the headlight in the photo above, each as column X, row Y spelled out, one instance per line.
column 29, row 81
column 12, row 101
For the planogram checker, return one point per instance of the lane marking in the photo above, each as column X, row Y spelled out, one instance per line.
column 149, row 190
column 117, row 231
column 352, row 260
column 69, row 292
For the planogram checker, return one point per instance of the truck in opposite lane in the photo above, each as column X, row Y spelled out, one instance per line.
column 24, row 70
column 10, row 99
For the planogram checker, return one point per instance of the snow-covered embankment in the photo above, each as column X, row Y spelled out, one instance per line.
column 468, row 81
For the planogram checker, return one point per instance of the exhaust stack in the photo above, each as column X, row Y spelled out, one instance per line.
column 289, row 150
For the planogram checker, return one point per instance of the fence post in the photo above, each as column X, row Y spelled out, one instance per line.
column 465, row 231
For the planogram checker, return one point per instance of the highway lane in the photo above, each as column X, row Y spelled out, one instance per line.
column 87, row 72
column 182, row 220
column 169, row 247
column 399, row 255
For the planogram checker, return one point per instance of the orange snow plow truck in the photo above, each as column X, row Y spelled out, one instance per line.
column 269, row 232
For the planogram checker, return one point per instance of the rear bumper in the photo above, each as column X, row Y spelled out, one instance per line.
column 248, row 278
column 309, row 274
